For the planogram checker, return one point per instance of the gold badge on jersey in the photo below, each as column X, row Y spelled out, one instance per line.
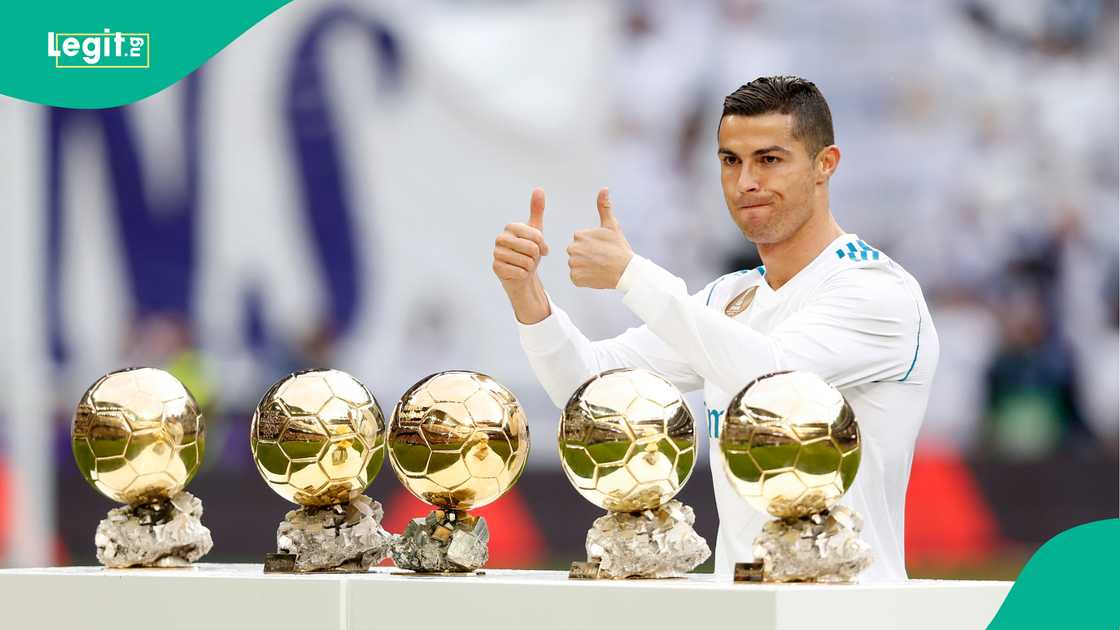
column 741, row 302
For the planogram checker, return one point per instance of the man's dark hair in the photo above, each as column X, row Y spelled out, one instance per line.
column 812, row 120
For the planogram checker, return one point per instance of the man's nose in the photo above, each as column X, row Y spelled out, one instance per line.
column 748, row 182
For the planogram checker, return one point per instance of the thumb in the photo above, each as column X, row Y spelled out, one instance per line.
column 606, row 213
column 536, row 209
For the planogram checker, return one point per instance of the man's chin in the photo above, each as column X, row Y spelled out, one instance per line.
column 758, row 236
column 755, row 226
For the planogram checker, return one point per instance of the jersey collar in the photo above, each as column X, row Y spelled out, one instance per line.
column 764, row 290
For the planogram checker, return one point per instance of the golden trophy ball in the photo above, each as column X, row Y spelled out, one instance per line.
column 318, row 437
column 790, row 444
column 791, row 449
column 628, row 444
column 458, row 440
column 318, row 440
column 138, row 437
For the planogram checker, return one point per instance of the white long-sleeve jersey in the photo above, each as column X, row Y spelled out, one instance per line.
column 852, row 316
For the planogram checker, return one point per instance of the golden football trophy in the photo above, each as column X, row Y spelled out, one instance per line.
column 318, row 439
column 791, row 448
column 628, row 445
column 138, row 437
column 457, row 440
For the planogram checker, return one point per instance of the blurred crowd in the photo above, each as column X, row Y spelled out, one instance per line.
column 981, row 154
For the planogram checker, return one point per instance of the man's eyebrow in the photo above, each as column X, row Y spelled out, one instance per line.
column 771, row 149
column 726, row 151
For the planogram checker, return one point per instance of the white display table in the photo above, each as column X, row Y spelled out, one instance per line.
column 221, row 596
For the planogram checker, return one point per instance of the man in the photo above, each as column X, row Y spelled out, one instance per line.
column 823, row 301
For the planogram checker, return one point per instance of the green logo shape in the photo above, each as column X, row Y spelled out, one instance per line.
column 82, row 54
column 1070, row 582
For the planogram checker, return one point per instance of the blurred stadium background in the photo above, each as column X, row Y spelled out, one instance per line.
column 325, row 192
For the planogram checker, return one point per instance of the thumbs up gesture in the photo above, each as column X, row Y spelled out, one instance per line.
column 598, row 256
column 518, row 249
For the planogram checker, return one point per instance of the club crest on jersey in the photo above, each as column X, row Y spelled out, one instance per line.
column 741, row 302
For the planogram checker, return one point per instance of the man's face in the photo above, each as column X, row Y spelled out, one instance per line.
column 768, row 176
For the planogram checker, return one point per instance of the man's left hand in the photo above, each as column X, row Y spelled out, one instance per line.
column 598, row 256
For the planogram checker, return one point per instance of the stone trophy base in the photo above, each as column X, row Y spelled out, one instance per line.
column 445, row 541
column 658, row 543
column 823, row 548
column 346, row 537
column 166, row 533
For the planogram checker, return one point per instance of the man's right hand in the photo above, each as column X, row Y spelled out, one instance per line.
column 517, row 253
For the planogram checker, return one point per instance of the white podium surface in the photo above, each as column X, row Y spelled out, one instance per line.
column 235, row 596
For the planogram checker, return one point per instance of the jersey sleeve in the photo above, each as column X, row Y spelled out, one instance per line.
column 563, row 358
column 859, row 326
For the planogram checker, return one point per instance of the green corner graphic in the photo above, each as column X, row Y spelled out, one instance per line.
column 69, row 53
column 1071, row 582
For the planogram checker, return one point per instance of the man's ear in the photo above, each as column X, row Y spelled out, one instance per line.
column 827, row 160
